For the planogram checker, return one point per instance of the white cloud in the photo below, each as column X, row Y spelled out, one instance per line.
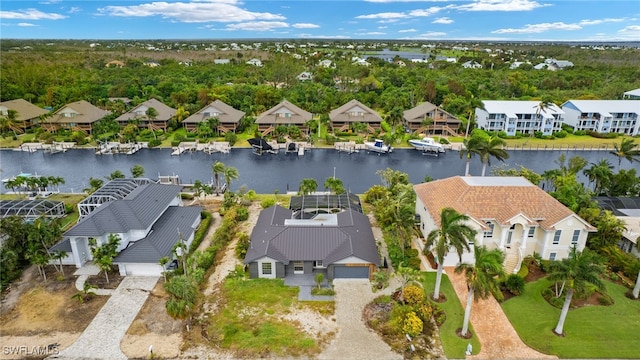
column 30, row 14
column 407, row 30
column 74, row 9
column 404, row 1
column 501, row 5
column 382, row 27
column 305, row 26
column 442, row 20
column 425, row 12
column 49, row 2
column 191, row 12
column 25, row 24
column 384, row 15
column 258, row 25
column 431, row 34
column 598, row 22
column 539, row 28
column 324, row 36
column 630, row 31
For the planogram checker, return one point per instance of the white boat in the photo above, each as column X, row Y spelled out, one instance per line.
column 21, row 175
column 378, row 146
column 427, row 144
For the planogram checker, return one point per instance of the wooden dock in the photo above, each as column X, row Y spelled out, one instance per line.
column 185, row 147
column 348, row 147
column 215, row 146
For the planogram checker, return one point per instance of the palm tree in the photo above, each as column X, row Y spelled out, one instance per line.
column 334, row 185
column 542, row 106
column 307, row 186
column 453, row 232
column 482, row 277
column 492, row 147
column 137, row 171
column 471, row 147
column 181, row 114
column 217, row 168
column 577, row 273
column 395, row 116
column 627, row 149
column 213, row 123
column 11, row 122
column 426, row 122
column 230, row 173
column 600, row 174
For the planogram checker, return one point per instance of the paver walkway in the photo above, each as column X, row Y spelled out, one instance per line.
column 355, row 341
column 101, row 339
column 494, row 330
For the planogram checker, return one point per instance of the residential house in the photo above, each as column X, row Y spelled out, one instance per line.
column 115, row 64
column 354, row 112
column 151, row 63
column 472, row 64
column 27, row 114
column 508, row 213
column 139, row 115
column 513, row 116
column 221, row 61
column 626, row 209
column 429, row 118
column 255, row 62
column 554, row 65
column 285, row 113
column 304, row 76
column 228, row 117
column 326, row 63
column 318, row 233
column 603, row 116
column 632, row 95
column 79, row 115
column 148, row 218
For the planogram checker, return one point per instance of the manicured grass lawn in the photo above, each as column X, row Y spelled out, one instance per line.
column 454, row 346
column 591, row 331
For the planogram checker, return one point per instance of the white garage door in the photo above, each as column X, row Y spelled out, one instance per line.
column 143, row 269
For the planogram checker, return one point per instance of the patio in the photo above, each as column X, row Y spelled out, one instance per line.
column 306, row 282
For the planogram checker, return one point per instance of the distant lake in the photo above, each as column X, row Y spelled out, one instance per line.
column 269, row 172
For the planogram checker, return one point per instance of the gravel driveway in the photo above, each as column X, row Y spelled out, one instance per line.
column 355, row 341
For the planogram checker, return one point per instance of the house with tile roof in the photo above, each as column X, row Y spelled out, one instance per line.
column 354, row 112
column 228, row 117
column 337, row 242
column 513, row 116
column 139, row 115
column 508, row 213
column 27, row 114
column 603, row 116
column 149, row 220
column 441, row 122
column 79, row 115
column 285, row 113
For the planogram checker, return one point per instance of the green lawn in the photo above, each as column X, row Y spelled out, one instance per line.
column 454, row 346
column 591, row 331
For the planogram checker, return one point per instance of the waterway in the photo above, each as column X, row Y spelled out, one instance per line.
column 270, row 172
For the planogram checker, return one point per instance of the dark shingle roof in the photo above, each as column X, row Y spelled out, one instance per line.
column 138, row 210
column 163, row 237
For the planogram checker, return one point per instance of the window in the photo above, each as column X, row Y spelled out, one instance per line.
column 556, row 237
column 576, row 236
column 532, row 232
column 298, row 267
column 319, row 263
column 489, row 233
column 552, row 256
column 266, row 268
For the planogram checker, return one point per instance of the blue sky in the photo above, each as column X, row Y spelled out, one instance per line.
column 485, row 20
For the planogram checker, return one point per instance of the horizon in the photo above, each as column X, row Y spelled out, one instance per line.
column 555, row 21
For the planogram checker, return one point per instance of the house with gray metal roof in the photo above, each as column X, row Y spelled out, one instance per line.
column 288, row 242
column 149, row 221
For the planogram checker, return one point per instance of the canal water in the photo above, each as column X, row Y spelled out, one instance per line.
column 270, row 172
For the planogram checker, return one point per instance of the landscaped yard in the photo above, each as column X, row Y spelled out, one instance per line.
column 590, row 331
column 454, row 346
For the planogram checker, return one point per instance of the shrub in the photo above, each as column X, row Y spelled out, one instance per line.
column 186, row 196
column 515, row 284
column 424, row 311
column 413, row 295
column 242, row 214
column 155, row 142
column 560, row 134
column 412, row 324
column 242, row 246
column 580, row 133
column 231, row 138
column 266, row 203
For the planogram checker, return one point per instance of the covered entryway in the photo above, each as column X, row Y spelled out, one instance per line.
column 351, row 272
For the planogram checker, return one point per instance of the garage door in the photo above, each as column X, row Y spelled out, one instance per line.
column 351, row 272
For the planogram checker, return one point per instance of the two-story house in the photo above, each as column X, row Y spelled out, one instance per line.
column 79, row 115
column 429, row 118
column 354, row 112
column 26, row 113
column 603, row 116
column 508, row 213
column 513, row 116
column 285, row 113
column 152, row 120
column 228, row 117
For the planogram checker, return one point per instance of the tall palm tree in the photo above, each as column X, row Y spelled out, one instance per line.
column 482, row 277
column 334, row 185
column 402, row 225
column 542, row 106
column 181, row 114
column 492, row 147
column 628, row 149
column 230, row 173
column 11, row 122
column 217, row 168
column 308, row 186
column 471, row 147
column 453, row 232
column 577, row 272
column 600, row 174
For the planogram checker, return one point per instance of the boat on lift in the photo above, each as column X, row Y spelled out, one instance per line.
column 427, row 144
column 378, row 146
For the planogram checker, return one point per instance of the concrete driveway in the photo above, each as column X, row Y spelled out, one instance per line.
column 354, row 340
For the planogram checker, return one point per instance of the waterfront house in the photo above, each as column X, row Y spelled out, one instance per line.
column 354, row 112
column 508, row 213
column 318, row 233
column 513, row 116
column 432, row 119
column 139, row 115
column 228, row 117
column 79, row 115
column 27, row 114
column 285, row 113
column 148, row 218
column 603, row 116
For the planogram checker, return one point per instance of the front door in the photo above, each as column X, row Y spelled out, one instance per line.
column 298, row 267
column 510, row 236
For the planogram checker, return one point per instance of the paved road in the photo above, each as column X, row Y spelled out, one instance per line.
column 101, row 339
